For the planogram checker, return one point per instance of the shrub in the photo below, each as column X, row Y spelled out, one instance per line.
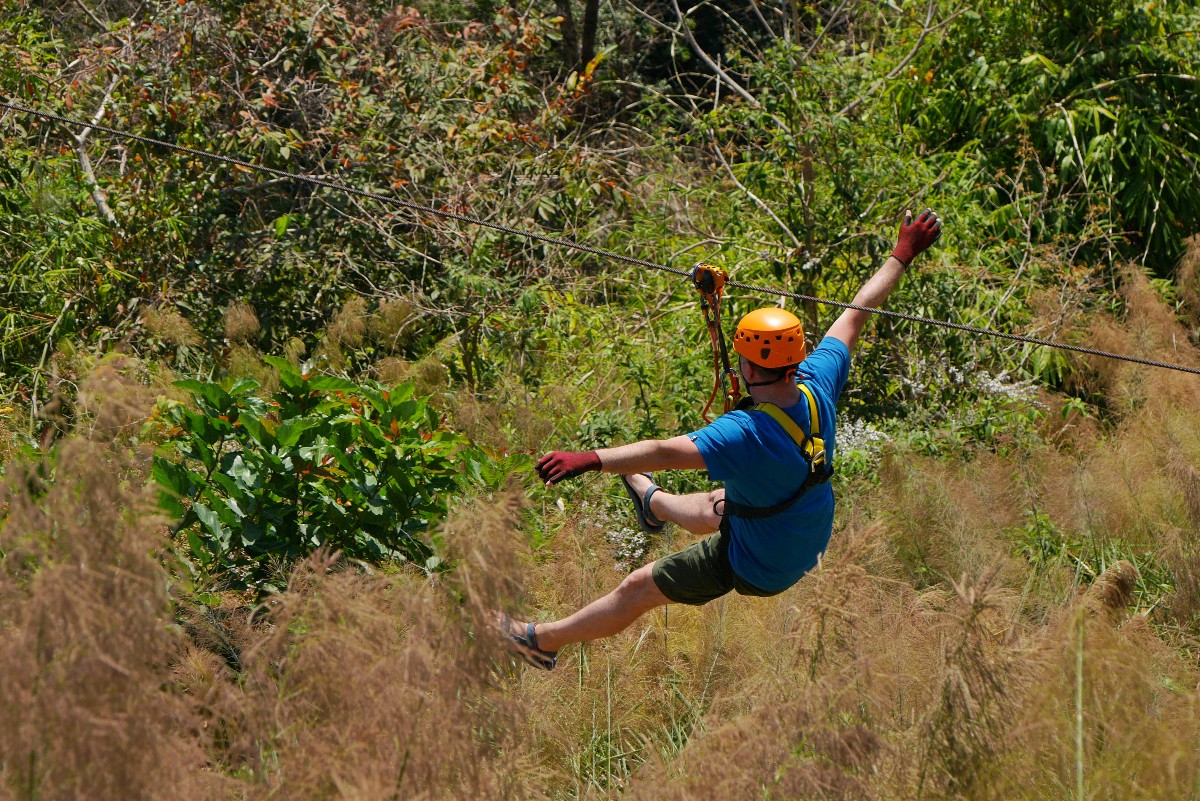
column 322, row 462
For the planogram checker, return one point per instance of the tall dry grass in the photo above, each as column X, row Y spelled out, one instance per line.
column 1187, row 279
column 86, row 631
column 925, row 658
column 120, row 682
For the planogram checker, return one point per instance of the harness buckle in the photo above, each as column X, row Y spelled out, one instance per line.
column 818, row 459
column 818, row 472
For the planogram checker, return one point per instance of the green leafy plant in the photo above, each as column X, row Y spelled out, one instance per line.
column 1042, row 543
column 257, row 482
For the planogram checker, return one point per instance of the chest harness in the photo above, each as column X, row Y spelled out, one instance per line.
column 709, row 281
column 812, row 448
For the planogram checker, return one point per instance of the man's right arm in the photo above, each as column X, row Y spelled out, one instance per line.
column 677, row 453
column 915, row 236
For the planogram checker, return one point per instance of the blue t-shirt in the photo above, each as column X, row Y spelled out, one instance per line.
column 761, row 465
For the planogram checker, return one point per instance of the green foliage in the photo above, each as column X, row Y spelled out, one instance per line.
column 1045, row 546
column 321, row 463
column 379, row 97
column 1102, row 91
column 54, row 276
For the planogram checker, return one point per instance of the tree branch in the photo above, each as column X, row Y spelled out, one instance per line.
column 926, row 29
column 817, row 39
column 755, row 198
column 766, row 25
column 712, row 65
column 92, row 15
column 85, row 162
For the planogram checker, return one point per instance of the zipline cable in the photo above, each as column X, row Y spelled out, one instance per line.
column 565, row 243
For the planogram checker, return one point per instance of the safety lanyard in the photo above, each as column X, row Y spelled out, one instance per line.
column 710, row 281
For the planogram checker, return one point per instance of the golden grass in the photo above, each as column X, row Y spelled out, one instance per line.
column 924, row 658
column 85, row 640
column 1187, row 279
column 168, row 325
column 241, row 323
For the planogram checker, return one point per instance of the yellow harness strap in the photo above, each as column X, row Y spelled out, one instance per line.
column 814, row 446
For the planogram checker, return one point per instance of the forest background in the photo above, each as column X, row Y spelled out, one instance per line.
column 265, row 446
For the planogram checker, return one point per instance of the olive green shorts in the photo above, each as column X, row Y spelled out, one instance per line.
column 701, row 572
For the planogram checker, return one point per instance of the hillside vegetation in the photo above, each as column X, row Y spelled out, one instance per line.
column 265, row 446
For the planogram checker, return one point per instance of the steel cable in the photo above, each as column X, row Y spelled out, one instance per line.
column 565, row 243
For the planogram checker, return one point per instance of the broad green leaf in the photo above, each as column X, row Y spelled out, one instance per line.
column 289, row 376
column 289, row 432
column 257, row 429
column 251, row 536
column 200, row 548
column 243, row 386
column 332, row 384
column 212, row 521
column 236, row 509
column 217, row 397
column 172, row 477
column 247, row 477
column 226, row 483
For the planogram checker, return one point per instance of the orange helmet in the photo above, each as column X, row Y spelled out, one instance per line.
column 770, row 337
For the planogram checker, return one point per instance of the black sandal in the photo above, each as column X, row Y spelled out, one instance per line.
column 525, row 646
column 641, row 503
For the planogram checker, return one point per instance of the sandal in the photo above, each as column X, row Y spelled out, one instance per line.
column 641, row 504
column 525, row 646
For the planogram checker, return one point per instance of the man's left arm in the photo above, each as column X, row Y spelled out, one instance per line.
column 915, row 236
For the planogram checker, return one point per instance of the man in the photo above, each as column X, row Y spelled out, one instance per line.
column 774, row 516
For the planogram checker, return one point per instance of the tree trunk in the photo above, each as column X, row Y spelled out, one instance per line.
column 591, row 18
column 570, row 38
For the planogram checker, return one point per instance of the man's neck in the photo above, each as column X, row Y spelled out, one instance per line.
column 782, row 393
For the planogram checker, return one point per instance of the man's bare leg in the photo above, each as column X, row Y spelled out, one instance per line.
column 603, row 617
column 693, row 512
column 638, row 593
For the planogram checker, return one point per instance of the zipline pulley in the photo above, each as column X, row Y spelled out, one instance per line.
column 710, row 282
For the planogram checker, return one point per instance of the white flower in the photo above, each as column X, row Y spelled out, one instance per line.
column 859, row 435
column 1025, row 391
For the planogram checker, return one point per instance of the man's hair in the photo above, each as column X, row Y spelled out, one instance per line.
column 779, row 372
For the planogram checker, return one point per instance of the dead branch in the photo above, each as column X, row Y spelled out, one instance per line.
column 92, row 15
column 682, row 30
column 712, row 65
column 753, row 197
column 817, row 39
column 85, row 162
column 926, row 28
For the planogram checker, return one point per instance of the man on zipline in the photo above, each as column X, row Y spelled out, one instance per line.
column 774, row 516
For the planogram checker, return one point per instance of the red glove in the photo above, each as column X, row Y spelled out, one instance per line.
column 561, row 465
column 915, row 237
